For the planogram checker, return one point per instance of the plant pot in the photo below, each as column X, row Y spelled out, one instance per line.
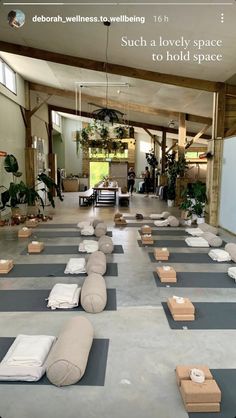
column 23, row 207
column 200, row 220
column 170, row 203
column 188, row 222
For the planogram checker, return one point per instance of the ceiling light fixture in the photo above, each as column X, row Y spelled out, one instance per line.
column 171, row 124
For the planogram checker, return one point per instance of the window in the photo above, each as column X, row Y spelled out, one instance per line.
column 56, row 119
column 7, row 76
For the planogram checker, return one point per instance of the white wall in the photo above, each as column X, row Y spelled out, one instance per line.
column 227, row 218
column 73, row 162
column 12, row 128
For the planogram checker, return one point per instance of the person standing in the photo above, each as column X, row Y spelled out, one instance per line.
column 147, row 176
column 131, row 180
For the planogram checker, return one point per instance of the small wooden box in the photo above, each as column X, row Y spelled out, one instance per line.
column 166, row 276
column 161, row 254
column 31, row 223
column 147, row 240
column 207, row 392
column 35, row 247
column 6, row 266
column 181, row 311
column 24, row 232
column 183, row 372
column 145, row 229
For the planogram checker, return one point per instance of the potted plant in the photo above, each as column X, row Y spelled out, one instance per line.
column 170, row 194
column 199, row 201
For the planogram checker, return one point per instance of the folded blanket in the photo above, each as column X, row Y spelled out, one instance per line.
column 232, row 272
column 219, row 255
column 165, row 222
column 195, row 232
column 87, row 230
column 25, row 359
column 162, row 215
column 196, row 242
column 88, row 246
column 64, row 296
column 75, row 266
column 83, row 224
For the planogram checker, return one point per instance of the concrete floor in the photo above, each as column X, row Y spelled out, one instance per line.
column 143, row 350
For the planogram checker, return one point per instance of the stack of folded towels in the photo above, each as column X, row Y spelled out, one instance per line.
column 75, row 266
column 26, row 358
column 196, row 242
column 88, row 246
column 86, row 228
column 219, row 255
column 64, row 296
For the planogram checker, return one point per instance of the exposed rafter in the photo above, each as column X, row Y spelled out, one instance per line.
column 198, row 136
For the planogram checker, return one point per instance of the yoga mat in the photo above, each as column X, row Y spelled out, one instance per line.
column 34, row 301
column 132, row 217
column 170, row 231
column 199, row 280
column 60, row 234
column 208, row 315
column 56, row 226
column 172, row 243
column 189, row 258
column 95, row 371
column 68, row 249
column 51, row 270
column 226, row 380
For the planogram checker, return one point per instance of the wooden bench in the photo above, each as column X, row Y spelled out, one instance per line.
column 86, row 198
column 123, row 198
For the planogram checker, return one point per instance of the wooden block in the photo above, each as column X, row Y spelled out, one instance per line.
column 202, row 407
column 166, row 276
column 6, row 266
column 207, row 392
column 35, row 247
column 147, row 240
column 120, row 221
column 186, row 317
column 24, row 233
column 183, row 372
column 186, row 308
column 161, row 254
column 31, row 223
column 145, row 229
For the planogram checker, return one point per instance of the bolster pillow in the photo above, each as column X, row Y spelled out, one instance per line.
column 100, row 230
column 173, row 221
column 97, row 221
column 208, row 228
column 68, row 357
column 94, row 294
column 231, row 249
column 105, row 244
column 212, row 239
column 97, row 263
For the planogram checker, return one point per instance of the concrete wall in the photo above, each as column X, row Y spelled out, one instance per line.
column 227, row 217
column 12, row 132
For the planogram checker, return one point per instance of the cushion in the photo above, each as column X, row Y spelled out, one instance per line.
column 68, row 357
column 97, row 221
column 219, row 255
column 232, row 272
column 163, row 215
column 105, row 244
column 94, row 293
column 173, row 221
column 97, row 263
column 212, row 239
column 100, row 230
column 208, row 228
column 231, row 249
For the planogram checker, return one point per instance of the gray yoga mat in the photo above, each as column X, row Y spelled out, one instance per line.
column 226, row 380
column 133, row 218
column 208, row 315
column 95, row 371
column 35, row 301
column 172, row 243
column 170, row 231
column 45, row 225
column 50, row 270
column 199, row 280
column 68, row 249
column 60, row 234
column 188, row 258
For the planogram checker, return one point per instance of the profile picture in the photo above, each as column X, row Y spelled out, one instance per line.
column 16, row 18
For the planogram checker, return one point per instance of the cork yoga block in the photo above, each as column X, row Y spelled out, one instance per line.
column 31, row 223
column 145, row 229
column 6, row 266
column 161, row 254
column 166, row 276
column 35, row 247
column 186, row 308
column 207, row 392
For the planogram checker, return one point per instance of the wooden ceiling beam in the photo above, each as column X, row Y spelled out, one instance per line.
column 101, row 66
column 198, row 136
column 135, row 107
column 154, row 137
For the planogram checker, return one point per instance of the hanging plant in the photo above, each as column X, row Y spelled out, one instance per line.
column 120, row 132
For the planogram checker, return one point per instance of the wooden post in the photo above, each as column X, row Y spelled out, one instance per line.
column 182, row 134
column 31, row 166
column 163, row 152
column 215, row 165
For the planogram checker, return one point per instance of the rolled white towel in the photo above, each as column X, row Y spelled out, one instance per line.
column 87, row 230
column 83, row 224
column 196, row 242
column 165, row 222
column 75, row 266
column 197, row 376
column 232, row 272
column 219, row 255
column 29, row 350
column 195, row 232
column 64, row 296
